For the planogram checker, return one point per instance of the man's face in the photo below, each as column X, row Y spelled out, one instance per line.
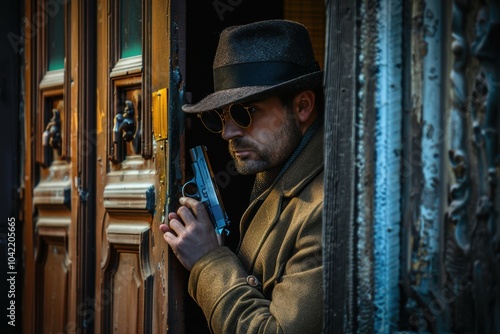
column 267, row 142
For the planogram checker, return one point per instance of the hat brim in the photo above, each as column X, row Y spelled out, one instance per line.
column 226, row 97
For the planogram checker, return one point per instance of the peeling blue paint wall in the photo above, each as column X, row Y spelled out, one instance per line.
column 388, row 145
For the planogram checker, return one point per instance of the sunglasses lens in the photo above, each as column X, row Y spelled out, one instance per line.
column 240, row 115
column 211, row 120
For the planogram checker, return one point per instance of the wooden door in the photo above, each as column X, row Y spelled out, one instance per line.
column 49, row 202
column 133, row 77
column 97, row 167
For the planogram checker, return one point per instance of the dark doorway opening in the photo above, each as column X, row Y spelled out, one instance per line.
column 204, row 22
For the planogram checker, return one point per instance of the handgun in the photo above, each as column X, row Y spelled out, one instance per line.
column 204, row 188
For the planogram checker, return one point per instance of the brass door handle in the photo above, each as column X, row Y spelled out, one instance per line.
column 51, row 139
column 123, row 131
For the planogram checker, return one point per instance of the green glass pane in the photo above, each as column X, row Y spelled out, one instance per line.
column 56, row 40
column 130, row 28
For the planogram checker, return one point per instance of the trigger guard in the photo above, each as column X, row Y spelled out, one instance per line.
column 185, row 194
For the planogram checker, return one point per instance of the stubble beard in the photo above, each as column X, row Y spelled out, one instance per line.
column 280, row 144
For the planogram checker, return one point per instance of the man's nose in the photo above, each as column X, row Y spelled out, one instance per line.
column 231, row 129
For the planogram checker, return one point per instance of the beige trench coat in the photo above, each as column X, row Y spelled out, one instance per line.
column 273, row 284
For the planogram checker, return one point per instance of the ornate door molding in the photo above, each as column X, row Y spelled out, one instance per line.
column 411, row 211
column 54, row 260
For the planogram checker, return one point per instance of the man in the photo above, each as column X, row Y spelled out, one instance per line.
column 268, row 92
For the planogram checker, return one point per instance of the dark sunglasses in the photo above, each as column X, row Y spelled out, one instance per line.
column 214, row 120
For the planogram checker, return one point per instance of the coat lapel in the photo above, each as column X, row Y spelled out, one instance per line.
column 256, row 233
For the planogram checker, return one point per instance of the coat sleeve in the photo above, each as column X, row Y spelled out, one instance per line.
column 218, row 283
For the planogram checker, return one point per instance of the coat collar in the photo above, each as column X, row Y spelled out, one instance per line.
column 305, row 167
column 265, row 210
column 302, row 169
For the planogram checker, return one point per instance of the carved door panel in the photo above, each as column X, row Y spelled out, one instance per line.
column 49, row 266
column 53, row 219
column 132, row 260
column 459, row 292
column 125, row 182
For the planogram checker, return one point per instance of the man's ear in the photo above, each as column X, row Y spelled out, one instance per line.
column 304, row 107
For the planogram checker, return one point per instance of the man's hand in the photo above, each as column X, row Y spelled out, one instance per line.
column 190, row 232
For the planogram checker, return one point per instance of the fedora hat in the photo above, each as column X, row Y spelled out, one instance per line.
column 259, row 60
